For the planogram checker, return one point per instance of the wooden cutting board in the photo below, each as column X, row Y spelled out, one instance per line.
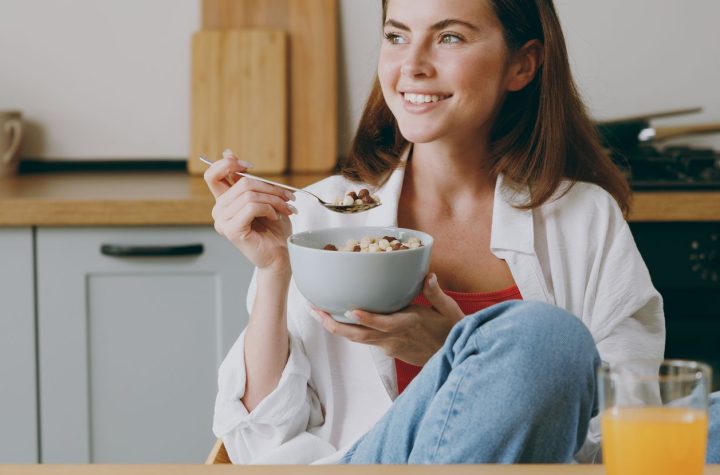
column 312, row 31
column 239, row 98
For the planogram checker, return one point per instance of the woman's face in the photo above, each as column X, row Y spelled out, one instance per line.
column 442, row 68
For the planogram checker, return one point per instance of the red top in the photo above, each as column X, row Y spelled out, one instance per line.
column 469, row 303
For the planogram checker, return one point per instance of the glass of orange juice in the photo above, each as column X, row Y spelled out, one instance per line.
column 654, row 422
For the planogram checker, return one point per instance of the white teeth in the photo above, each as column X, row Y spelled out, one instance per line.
column 423, row 98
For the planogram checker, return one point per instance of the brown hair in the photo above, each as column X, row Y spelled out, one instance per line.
column 542, row 134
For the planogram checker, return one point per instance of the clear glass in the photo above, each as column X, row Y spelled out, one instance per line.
column 654, row 423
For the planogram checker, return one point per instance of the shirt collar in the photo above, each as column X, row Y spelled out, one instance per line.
column 512, row 228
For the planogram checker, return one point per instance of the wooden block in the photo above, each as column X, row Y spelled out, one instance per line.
column 312, row 32
column 239, row 98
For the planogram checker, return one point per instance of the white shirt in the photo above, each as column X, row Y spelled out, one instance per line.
column 575, row 252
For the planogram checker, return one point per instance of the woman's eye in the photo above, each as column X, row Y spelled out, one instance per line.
column 450, row 39
column 394, row 38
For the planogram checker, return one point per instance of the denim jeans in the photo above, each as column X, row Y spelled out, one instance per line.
column 713, row 447
column 513, row 383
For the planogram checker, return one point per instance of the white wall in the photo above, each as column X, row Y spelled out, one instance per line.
column 110, row 78
column 639, row 56
column 99, row 78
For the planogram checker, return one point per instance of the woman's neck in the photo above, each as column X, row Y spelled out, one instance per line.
column 449, row 179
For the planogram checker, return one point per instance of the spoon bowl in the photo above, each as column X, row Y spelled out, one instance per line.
column 346, row 209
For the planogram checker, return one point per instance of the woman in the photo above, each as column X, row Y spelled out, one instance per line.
column 473, row 133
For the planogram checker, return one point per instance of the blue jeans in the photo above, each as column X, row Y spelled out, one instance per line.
column 713, row 447
column 513, row 383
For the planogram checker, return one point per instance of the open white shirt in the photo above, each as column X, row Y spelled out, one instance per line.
column 575, row 252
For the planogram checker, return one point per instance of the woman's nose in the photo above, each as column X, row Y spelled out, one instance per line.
column 417, row 63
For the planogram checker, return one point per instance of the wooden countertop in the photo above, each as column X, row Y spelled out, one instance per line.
column 112, row 198
column 307, row 470
column 175, row 198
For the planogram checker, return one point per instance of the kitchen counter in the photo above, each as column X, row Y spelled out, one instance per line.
column 175, row 198
column 112, row 199
column 306, row 470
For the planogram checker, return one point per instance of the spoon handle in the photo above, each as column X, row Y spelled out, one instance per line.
column 270, row 182
column 265, row 180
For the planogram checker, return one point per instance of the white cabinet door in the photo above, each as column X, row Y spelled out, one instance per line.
column 130, row 339
column 18, row 388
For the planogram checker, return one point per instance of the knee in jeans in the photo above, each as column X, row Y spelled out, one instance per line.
column 540, row 329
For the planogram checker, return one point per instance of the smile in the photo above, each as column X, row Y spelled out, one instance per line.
column 424, row 98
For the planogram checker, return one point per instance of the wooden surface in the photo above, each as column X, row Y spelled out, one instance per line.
column 312, row 31
column 676, row 206
column 239, row 98
column 112, row 199
column 315, row 470
column 218, row 454
column 662, row 133
column 174, row 198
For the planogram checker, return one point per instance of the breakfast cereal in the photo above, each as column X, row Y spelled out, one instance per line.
column 376, row 244
column 357, row 198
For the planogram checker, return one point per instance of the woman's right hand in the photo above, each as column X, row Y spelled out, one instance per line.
column 253, row 215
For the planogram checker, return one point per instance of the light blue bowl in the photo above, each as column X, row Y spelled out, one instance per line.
column 337, row 281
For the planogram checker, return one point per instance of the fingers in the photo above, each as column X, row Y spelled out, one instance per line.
column 234, row 220
column 238, row 227
column 379, row 322
column 356, row 333
column 216, row 176
column 440, row 301
column 229, row 154
column 245, row 185
column 237, row 206
column 225, row 209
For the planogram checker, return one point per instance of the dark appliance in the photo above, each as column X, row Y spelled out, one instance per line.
column 684, row 263
column 636, row 147
column 670, row 168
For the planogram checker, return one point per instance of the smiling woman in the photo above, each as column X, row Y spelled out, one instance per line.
column 473, row 134
column 535, row 128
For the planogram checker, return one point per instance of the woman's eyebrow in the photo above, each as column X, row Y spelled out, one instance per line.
column 437, row 26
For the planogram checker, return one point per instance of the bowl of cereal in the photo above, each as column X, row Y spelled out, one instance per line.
column 373, row 268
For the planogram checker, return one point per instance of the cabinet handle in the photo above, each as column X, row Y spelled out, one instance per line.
column 118, row 250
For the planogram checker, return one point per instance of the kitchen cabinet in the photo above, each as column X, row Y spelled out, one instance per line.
column 132, row 326
column 18, row 387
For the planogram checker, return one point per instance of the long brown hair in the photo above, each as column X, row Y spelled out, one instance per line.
column 542, row 134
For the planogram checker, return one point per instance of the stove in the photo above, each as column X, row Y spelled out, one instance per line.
column 683, row 259
column 648, row 167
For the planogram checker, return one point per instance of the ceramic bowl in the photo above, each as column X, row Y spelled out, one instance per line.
column 338, row 281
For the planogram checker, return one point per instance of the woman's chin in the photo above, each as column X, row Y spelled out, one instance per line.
column 414, row 135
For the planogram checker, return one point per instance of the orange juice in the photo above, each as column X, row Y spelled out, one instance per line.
column 654, row 440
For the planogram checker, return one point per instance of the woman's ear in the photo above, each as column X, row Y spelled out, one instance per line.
column 525, row 64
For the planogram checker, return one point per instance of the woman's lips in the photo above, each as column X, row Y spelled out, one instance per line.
column 420, row 103
column 424, row 98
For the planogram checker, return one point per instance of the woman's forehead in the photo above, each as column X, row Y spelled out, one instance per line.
column 428, row 12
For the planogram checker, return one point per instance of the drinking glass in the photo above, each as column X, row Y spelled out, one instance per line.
column 654, row 423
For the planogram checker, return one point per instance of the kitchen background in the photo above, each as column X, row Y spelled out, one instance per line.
column 110, row 79
column 108, row 354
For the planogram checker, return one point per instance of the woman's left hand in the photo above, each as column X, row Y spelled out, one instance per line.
column 412, row 335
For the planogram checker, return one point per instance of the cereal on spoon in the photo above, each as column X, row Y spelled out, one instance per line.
column 357, row 198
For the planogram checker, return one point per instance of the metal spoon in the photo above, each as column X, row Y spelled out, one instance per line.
column 349, row 209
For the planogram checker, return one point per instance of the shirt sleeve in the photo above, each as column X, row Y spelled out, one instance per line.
column 626, row 314
column 278, row 427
